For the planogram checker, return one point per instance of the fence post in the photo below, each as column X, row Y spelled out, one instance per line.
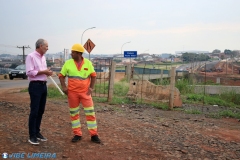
column 111, row 81
column 172, row 87
column 161, row 77
column 129, row 69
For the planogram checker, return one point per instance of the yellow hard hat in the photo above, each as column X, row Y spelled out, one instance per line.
column 78, row 47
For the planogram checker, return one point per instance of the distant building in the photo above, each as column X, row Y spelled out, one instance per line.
column 191, row 51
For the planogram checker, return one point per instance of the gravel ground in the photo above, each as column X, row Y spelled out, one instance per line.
column 127, row 132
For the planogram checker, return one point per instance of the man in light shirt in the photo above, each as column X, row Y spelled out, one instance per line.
column 37, row 72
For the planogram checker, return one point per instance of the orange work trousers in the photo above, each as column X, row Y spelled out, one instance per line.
column 74, row 100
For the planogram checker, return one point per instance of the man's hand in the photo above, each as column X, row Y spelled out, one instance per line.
column 48, row 72
column 65, row 90
column 89, row 91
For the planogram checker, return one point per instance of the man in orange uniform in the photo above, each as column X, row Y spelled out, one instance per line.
column 81, row 80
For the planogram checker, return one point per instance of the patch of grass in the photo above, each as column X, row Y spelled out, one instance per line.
column 208, row 82
column 183, row 86
column 24, row 90
column 231, row 96
column 212, row 100
column 100, row 99
column 163, row 106
column 178, row 109
column 207, row 99
column 121, row 88
column 225, row 113
column 193, row 98
column 229, row 113
column 53, row 92
column 192, row 111
column 101, row 88
column 119, row 100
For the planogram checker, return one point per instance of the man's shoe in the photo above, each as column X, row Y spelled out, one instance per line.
column 95, row 139
column 40, row 137
column 76, row 138
column 33, row 141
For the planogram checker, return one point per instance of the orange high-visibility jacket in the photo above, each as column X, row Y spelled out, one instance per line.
column 78, row 76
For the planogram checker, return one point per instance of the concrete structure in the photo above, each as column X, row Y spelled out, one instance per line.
column 143, row 89
column 216, row 89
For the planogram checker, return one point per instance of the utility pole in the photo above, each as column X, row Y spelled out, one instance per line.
column 23, row 47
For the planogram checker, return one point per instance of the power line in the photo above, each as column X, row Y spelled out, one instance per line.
column 23, row 47
column 4, row 51
column 4, row 45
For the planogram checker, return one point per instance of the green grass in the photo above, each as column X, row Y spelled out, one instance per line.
column 225, row 113
column 229, row 113
column 53, row 92
column 119, row 100
column 24, row 90
column 120, row 88
column 184, row 87
column 100, row 99
column 163, row 106
column 221, row 100
column 192, row 111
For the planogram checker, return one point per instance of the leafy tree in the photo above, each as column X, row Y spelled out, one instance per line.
column 188, row 57
column 216, row 51
column 235, row 53
column 227, row 52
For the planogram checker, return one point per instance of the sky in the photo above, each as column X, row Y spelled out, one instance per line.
column 153, row 26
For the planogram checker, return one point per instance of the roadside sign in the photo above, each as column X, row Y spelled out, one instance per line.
column 130, row 54
column 89, row 45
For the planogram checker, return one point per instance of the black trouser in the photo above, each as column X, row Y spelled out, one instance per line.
column 38, row 96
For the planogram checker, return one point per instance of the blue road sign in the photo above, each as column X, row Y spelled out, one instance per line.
column 130, row 54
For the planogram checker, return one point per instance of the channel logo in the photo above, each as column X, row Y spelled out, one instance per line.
column 4, row 155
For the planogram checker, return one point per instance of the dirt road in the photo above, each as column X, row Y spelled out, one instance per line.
column 128, row 132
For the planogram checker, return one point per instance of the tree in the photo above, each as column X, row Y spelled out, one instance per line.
column 227, row 52
column 188, row 57
column 216, row 51
column 235, row 53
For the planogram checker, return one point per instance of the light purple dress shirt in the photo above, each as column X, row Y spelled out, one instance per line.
column 35, row 62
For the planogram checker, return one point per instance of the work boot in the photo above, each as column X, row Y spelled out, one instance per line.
column 95, row 139
column 76, row 138
column 40, row 137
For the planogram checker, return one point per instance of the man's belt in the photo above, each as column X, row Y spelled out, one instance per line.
column 39, row 82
